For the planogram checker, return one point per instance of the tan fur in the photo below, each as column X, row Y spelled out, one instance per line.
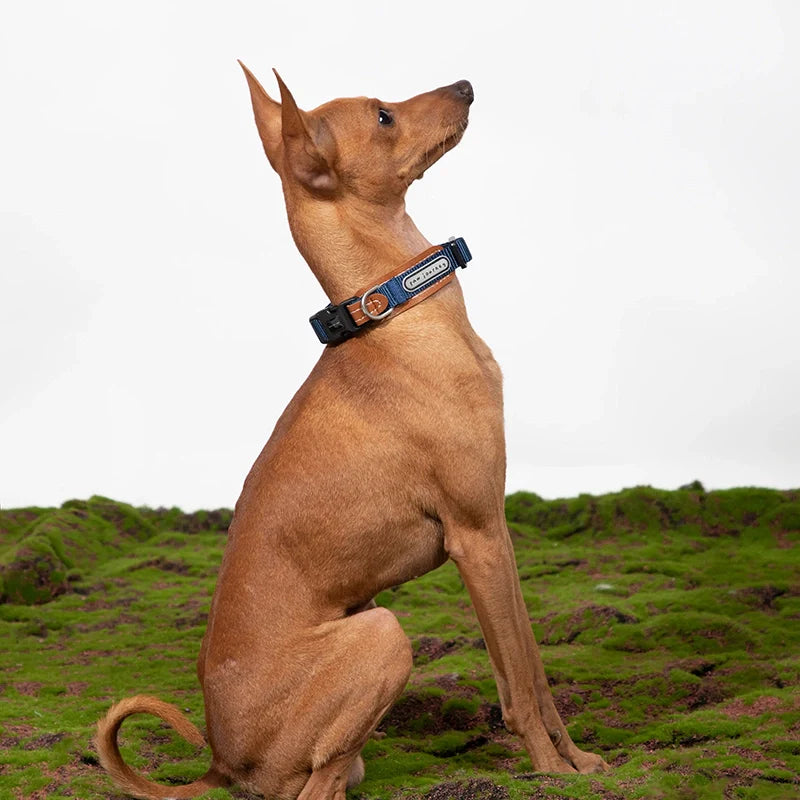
column 389, row 460
column 105, row 741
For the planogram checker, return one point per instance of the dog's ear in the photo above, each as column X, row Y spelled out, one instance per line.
column 308, row 145
column 268, row 118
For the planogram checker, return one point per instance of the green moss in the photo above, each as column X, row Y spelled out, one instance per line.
column 667, row 622
column 785, row 517
column 459, row 706
column 63, row 544
column 126, row 521
column 743, row 507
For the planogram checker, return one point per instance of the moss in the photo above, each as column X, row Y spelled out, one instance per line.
column 785, row 517
column 688, row 632
column 15, row 521
column 124, row 518
column 667, row 621
column 63, row 543
column 588, row 623
column 743, row 507
column 174, row 519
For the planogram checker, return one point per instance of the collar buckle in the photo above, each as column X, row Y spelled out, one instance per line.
column 334, row 324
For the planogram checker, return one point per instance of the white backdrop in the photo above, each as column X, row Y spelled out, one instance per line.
column 628, row 186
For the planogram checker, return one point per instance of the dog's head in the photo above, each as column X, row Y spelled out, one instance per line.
column 358, row 147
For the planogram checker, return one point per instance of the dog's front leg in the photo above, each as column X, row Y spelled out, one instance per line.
column 485, row 559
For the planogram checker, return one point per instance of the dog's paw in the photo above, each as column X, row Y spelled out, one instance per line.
column 555, row 765
column 588, row 763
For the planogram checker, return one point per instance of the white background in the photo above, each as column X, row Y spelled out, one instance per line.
column 629, row 186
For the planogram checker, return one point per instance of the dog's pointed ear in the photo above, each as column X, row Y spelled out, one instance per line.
column 307, row 144
column 268, row 118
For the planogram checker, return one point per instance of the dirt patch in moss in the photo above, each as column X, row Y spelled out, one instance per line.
column 431, row 648
column 428, row 712
column 29, row 688
column 762, row 597
column 114, row 600
column 474, row 789
column 761, row 705
column 43, row 741
column 110, row 624
column 165, row 564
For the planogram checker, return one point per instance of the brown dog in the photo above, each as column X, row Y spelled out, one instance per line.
column 389, row 460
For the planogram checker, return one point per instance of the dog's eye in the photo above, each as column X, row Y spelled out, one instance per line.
column 385, row 117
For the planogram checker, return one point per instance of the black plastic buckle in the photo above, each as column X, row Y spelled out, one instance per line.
column 334, row 324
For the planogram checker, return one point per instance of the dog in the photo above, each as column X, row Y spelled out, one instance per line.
column 389, row 460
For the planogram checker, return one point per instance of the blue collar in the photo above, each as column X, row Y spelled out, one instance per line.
column 409, row 285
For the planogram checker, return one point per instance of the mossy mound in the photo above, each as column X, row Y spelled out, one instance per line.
column 588, row 624
column 685, row 632
column 174, row 519
column 49, row 550
column 59, row 546
column 691, row 510
column 128, row 522
column 15, row 521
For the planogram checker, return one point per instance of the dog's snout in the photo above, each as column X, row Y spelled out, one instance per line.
column 464, row 90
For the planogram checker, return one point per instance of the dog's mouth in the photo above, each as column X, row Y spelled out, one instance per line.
column 431, row 156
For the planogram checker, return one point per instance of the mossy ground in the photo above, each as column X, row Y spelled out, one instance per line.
column 669, row 623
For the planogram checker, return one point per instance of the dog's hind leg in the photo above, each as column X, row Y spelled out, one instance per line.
column 379, row 660
column 354, row 669
column 330, row 781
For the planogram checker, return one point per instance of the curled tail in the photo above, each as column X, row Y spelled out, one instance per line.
column 105, row 741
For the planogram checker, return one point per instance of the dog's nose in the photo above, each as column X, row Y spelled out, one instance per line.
column 464, row 89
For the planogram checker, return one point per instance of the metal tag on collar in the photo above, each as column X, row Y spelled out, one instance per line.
column 427, row 272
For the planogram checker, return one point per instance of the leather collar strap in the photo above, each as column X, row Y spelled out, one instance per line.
column 396, row 292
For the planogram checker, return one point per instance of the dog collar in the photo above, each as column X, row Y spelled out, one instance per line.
column 396, row 292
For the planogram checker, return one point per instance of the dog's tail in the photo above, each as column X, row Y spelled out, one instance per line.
column 105, row 741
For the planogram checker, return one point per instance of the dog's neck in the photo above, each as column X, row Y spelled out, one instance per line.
column 349, row 246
